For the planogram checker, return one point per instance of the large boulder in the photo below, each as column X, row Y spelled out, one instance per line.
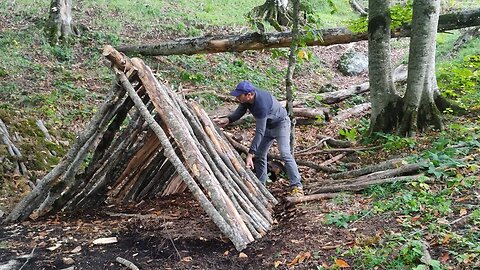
column 353, row 63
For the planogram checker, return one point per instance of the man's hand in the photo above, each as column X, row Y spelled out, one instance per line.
column 222, row 122
column 249, row 161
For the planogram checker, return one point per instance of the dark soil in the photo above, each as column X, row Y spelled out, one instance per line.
column 174, row 233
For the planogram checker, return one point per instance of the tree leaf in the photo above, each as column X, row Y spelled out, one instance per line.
column 301, row 257
column 341, row 263
column 445, row 257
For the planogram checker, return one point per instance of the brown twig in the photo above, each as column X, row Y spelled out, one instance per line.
column 127, row 263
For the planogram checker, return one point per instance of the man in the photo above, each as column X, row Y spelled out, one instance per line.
column 272, row 122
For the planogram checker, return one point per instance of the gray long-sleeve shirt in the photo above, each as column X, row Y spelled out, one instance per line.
column 268, row 113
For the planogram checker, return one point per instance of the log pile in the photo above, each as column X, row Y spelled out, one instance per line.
column 145, row 142
column 13, row 152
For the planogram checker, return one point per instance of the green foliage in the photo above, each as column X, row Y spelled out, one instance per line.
column 340, row 219
column 330, row 12
column 101, row 38
column 393, row 252
column 359, row 25
column 460, row 81
column 400, row 14
column 349, row 134
column 393, row 142
column 412, row 201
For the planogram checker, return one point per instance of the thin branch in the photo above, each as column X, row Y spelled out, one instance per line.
column 127, row 263
column 28, row 257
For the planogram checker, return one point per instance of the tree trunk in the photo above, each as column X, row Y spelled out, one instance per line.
column 60, row 24
column 358, row 8
column 419, row 109
column 290, row 71
column 383, row 98
column 256, row 41
column 275, row 12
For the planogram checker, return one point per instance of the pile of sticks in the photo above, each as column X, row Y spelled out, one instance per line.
column 145, row 142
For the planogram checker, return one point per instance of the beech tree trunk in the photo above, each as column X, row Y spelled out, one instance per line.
column 419, row 109
column 257, row 41
column 275, row 12
column 383, row 97
column 60, row 23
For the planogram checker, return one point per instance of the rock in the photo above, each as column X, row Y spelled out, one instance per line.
column 68, row 261
column 106, row 240
column 353, row 63
column 242, row 255
column 10, row 265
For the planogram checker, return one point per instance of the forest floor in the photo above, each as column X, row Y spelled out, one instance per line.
column 174, row 233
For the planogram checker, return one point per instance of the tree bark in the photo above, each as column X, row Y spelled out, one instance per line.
column 421, row 70
column 358, row 8
column 382, row 89
column 275, row 12
column 292, row 59
column 363, row 185
column 256, row 41
column 39, row 194
column 60, row 24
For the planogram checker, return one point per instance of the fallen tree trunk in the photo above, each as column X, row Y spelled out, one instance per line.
column 404, row 170
column 389, row 164
column 308, row 113
column 399, row 74
column 363, row 185
column 334, row 142
column 313, row 197
column 334, row 150
column 356, row 110
column 256, row 41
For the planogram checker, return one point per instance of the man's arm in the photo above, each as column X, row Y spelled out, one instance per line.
column 234, row 116
column 260, row 126
column 238, row 113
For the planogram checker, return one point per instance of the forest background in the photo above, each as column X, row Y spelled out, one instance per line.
column 63, row 84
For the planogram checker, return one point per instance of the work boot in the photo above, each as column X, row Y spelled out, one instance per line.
column 296, row 192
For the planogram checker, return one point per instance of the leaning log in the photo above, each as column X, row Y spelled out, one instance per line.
column 13, row 151
column 34, row 200
column 165, row 146
column 170, row 153
column 257, row 41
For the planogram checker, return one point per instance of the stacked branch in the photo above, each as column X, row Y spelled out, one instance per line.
column 146, row 142
column 13, row 151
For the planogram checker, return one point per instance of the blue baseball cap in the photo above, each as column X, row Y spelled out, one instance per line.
column 244, row 87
